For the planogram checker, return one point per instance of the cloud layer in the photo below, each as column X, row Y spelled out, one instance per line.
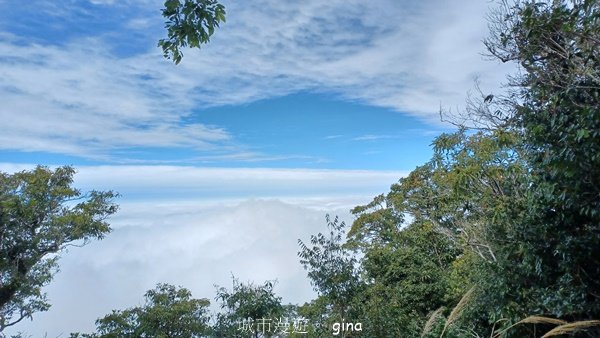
column 174, row 226
column 192, row 245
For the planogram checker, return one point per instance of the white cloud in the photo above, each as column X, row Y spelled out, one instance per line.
column 139, row 23
column 102, row 2
column 373, row 137
column 404, row 55
column 76, row 101
column 79, row 99
column 184, row 183
column 195, row 246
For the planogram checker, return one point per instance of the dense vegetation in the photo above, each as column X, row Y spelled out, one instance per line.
column 41, row 215
column 497, row 235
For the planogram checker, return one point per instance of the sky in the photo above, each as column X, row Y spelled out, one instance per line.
column 294, row 110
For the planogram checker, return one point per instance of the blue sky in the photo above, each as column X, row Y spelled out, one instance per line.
column 311, row 85
column 293, row 110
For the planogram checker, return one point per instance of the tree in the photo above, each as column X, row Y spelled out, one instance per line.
column 250, row 310
column 539, row 238
column 406, row 280
column 453, row 218
column 434, row 235
column 557, row 99
column 41, row 214
column 189, row 23
column 332, row 270
column 318, row 313
column 168, row 312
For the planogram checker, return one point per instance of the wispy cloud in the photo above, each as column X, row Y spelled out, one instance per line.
column 168, row 182
column 82, row 99
column 84, row 102
column 251, row 156
column 409, row 56
column 373, row 137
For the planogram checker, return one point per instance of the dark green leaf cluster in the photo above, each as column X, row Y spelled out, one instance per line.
column 557, row 44
column 246, row 302
column 168, row 312
column 189, row 23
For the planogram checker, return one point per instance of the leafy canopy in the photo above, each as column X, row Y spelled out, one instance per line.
column 169, row 311
column 246, row 303
column 40, row 215
column 189, row 23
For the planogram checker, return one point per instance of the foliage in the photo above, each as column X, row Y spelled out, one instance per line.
column 169, row 311
column 189, row 23
column 247, row 304
column 41, row 214
column 332, row 269
column 407, row 279
column 429, row 239
column 318, row 314
column 557, row 243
